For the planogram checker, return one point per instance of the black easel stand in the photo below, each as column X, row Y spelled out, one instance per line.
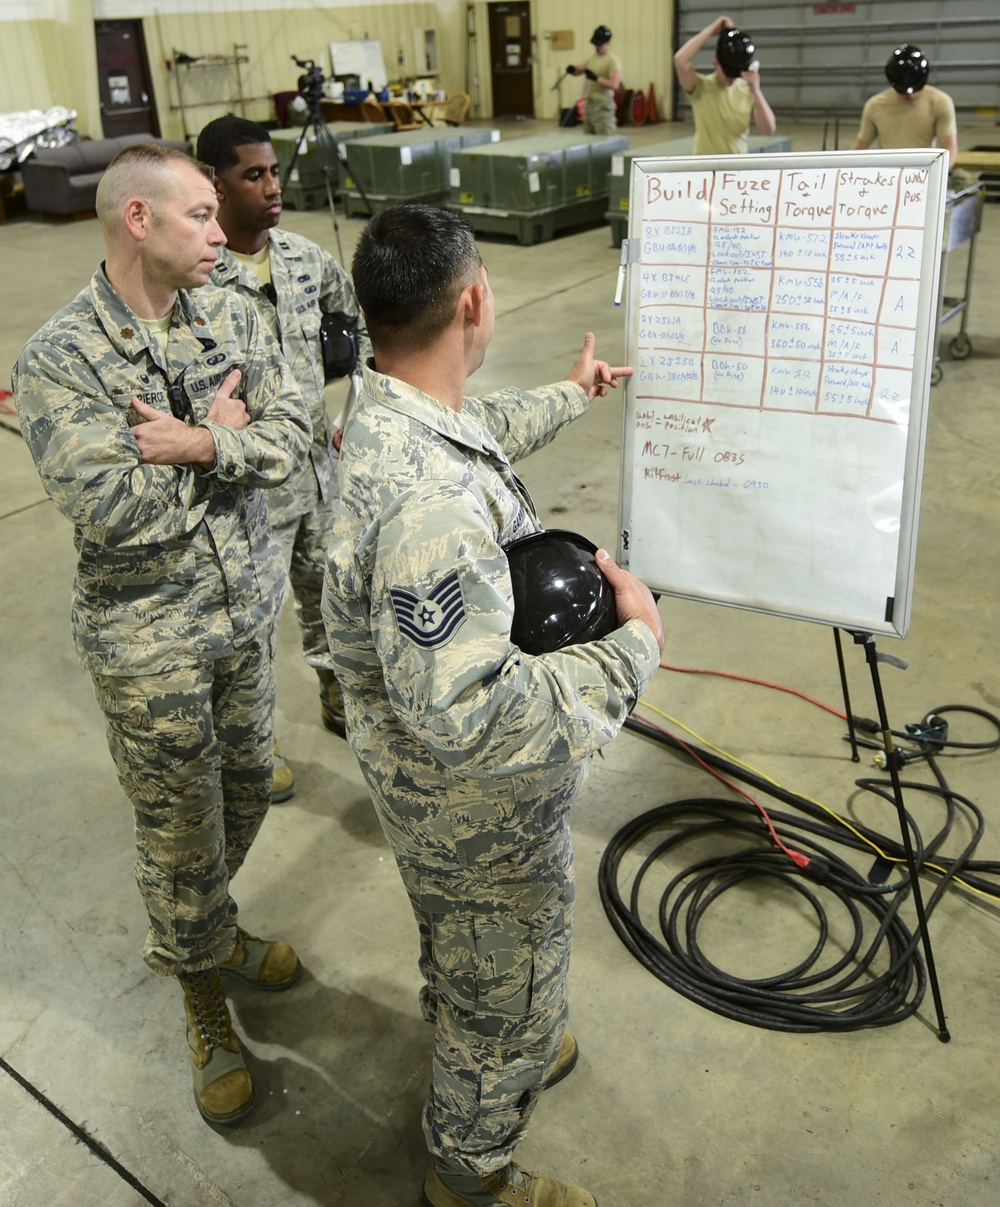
column 325, row 140
column 873, row 658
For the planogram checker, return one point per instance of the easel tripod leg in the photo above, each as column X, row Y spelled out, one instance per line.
column 871, row 654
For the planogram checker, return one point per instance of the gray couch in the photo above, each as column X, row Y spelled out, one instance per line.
column 63, row 180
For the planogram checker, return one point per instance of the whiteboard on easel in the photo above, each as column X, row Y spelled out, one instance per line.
column 781, row 319
column 363, row 59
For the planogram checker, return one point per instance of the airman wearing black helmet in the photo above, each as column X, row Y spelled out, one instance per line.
column 909, row 113
column 604, row 76
column 724, row 102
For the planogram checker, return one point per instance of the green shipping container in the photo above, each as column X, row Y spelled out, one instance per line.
column 531, row 187
column 619, row 181
column 304, row 188
column 410, row 165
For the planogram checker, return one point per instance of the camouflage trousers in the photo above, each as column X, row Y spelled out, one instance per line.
column 600, row 116
column 494, row 952
column 303, row 541
column 194, row 753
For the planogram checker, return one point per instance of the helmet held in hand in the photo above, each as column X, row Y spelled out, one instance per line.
column 560, row 595
column 735, row 51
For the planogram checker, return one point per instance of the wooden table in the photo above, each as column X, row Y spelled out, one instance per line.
column 337, row 111
column 978, row 161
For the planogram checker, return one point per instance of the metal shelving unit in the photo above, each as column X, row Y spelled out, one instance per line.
column 184, row 71
column 962, row 222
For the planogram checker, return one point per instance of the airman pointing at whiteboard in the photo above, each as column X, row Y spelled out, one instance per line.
column 724, row 102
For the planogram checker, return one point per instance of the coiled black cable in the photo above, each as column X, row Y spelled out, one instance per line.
column 876, row 974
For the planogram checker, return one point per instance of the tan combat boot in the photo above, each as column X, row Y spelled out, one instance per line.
column 331, row 703
column 283, row 781
column 223, row 1087
column 446, row 1186
column 564, row 1063
column 263, row 963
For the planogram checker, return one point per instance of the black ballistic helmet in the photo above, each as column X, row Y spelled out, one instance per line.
column 338, row 341
column 907, row 69
column 735, row 51
column 560, row 595
column 600, row 35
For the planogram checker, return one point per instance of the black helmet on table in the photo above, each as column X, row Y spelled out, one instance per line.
column 907, row 69
column 600, row 35
column 560, row 595
column 735, row 52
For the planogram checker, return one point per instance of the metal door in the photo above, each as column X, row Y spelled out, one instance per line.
column 511, row 60
column 123, row 77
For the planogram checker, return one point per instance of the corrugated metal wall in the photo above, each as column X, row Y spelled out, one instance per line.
column 828, row 58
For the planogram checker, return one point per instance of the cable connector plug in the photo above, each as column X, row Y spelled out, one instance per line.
column 818, row 869
column 933, row 732
column 866, row 724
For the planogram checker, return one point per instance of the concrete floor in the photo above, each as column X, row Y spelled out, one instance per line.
column 671, row 1104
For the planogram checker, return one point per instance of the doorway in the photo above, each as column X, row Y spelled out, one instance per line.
column 511, row 60
column 124, row 80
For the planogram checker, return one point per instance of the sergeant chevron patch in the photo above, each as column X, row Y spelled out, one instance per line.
column 430, row 622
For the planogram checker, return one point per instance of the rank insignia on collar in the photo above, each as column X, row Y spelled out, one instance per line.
column 432, row 621
column 199, row 321
column 126, row 333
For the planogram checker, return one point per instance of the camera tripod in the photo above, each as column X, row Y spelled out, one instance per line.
column 311, row 87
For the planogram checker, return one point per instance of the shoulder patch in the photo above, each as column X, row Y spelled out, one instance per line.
column 430, row 622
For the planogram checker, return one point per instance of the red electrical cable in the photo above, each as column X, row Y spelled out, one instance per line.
column 778, row 687
column 797, row 857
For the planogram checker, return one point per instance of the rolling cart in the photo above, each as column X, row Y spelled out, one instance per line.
column 963, row 217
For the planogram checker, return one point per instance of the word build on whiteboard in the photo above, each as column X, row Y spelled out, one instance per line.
column 781, row 317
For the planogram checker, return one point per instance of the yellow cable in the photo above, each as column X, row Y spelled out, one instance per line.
column 819, row 804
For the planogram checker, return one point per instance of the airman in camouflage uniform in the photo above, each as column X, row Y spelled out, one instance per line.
column 126, row 401
column 472, row 750
column 294, row 282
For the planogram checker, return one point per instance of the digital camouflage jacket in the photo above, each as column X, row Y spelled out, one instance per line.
column 308, row 283
column 469, row 746
column 175, row 564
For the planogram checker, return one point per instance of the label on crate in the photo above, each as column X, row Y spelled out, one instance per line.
column 405, row 156
column 617, row 165
column 293, row 176
column 534, row 184
column 455, row 177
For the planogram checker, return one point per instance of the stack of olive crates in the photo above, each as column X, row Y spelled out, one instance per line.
column 411, row 165
column 621, row 172
column 305, row 188
column 532, row 187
